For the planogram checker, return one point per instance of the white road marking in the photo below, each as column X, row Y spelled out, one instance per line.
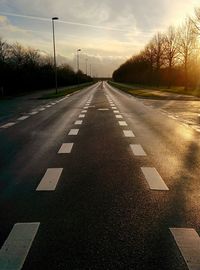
column 114, row 108
column 73, row 132
column 116, row 111
column 82, row 116
column 154, row 179
column 122, row 123
column 86, row 107
column 118, row 116
column 66, row 148
column 79, row 122
column 23, row 118
column 10, row 124
column 42, row 109
column 33, row 113
column 16, row 247
column 84, row 111
column 188, row 242
column 53, row 103
column 48, row 106
column 137, row 150
column 103, row 109
column 128, row 133
column 50, row 179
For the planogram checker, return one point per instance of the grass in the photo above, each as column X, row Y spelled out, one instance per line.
column 150, row 92
column 66, row 91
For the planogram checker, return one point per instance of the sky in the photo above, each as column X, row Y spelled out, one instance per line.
column 108, row 32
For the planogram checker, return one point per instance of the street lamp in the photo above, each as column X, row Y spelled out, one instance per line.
column 79, row 50
column 86, row 61
column 54, row 51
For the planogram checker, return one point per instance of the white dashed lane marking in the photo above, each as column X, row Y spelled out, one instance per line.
column 22, row 118
column 118, row 116
column 73, row 132
column 128, row 133
column 116, row 111
column 114, row 108
column 16, row 247
column 103, row 109
column 82, row 116
column 153, row 178
column 33, row 113
column 122, row 123
column 84, row 111
column 66, row 148
column 86, row 107
column 188, row 242
column 79, row 122
column 10, row 124
column 50, row 179
column 137, row 150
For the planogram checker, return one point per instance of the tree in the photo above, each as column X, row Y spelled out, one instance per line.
column 187, row 42
column 170, row 51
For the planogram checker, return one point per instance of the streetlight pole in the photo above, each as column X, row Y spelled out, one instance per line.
column 86, row 60
column 54, row 52
column 79, row 50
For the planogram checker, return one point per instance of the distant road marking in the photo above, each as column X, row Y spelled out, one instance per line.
column 66, row 148
column 33, row 113
column 82, row 116
column 23, row 118
column 42, row 109
column 116, row 111
column 118, row 116
column 48, row 106
column 128, row 133
column 153, row 178
column 122, row 123
column 86, row 107
column 10, row 124
column 114, row 108
column 137, row 150
column 103, row 109
column 16, row 247
column 73, row 132
column 79, row 122
column 84, row 111
column 188, row 242
column 50, row 179
column 53, row 103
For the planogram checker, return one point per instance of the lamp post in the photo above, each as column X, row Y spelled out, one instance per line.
column 79, row 50
column 54, row 51
column 86, row 61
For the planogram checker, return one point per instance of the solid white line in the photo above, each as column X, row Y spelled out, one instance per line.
column 122, row 123
column 10, row 124
column 188, row 242
column 137, row 150
column 82, row 116
column 23, row 118
column 79, row 122
column 16, row 247
column 128, row 133
column 154, row 179
column 73, row 132
column 116, row 111
column 118, row 116
column 50, row 179
column 66, row 148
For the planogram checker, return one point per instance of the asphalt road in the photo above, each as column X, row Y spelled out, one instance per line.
column 103, row 213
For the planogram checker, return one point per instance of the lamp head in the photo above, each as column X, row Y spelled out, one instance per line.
column 55, row 18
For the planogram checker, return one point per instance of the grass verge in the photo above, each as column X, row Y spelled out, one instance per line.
column 66, row 91
column 156, row 93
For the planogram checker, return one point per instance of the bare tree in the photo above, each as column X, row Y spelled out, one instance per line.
column 171, row 51
column 4, row 50
column 187, row 41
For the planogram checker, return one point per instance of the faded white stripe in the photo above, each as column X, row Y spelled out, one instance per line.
column 79, row 122
column 122, row 123
column 188, row 242
column 137, row 150
column 73, row 132
column 154, row 179
column 10, row 124
column 66, row 148
column 16, row 247
column 22, row 118
column 50, row 179
column 128, row 133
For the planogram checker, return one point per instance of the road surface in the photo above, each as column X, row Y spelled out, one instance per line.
column 99, row 180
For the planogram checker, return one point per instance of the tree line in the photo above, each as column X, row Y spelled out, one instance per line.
column 169, row 59
column 26, row 69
